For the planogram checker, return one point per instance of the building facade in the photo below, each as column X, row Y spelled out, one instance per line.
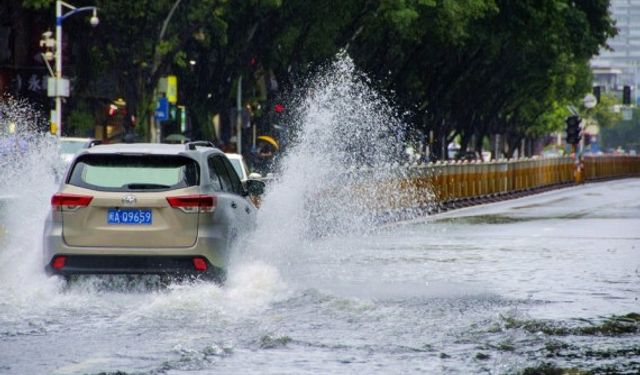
column 619, row 66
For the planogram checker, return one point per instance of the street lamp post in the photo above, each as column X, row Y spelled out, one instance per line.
column 60, row 86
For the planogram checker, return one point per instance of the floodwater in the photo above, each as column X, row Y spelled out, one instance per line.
column 492, row 289
column 529, row 286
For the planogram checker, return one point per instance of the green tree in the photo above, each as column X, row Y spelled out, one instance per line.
column 486, row 67
column 465, row 69
column 605, row 113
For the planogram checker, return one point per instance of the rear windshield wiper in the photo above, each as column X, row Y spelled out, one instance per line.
column 143, row 186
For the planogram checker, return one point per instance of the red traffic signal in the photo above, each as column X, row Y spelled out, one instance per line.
column 279, row 108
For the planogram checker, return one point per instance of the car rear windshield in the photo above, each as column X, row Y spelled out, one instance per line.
column 117, row 172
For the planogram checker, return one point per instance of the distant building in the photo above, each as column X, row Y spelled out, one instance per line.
column 619, row 67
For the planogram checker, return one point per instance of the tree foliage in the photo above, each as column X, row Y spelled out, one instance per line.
column 480, row 67
column 604, row 113
column 464, row 68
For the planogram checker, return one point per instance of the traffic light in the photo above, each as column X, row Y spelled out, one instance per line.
column 573, row 130
column 596, row 92
column 626, row 95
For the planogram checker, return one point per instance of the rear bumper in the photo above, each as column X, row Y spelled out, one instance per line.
column 133, row 264
column 212, row 246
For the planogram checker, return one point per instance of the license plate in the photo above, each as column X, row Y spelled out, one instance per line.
column 129, row 216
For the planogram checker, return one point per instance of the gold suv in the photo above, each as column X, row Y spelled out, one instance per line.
column 148, row 209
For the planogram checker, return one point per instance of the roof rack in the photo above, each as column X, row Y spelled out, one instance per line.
column 192, row 145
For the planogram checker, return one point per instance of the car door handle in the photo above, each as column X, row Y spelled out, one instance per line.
column 247, row 210
column 234, row 205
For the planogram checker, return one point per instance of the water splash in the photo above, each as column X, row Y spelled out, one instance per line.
column 30, row 167
column 341, row 174
column 31, row 170
column 342, row 171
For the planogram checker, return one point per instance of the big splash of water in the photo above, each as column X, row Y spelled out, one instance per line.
column 341, row 174
column 343, row 170
column 31, row 169
column 29, row 166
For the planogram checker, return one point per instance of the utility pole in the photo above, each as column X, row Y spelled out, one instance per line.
column 57, row 86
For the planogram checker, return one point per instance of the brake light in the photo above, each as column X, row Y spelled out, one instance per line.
column 194, row 203
column 200, row 264
column 58, row 262
column 70, row 201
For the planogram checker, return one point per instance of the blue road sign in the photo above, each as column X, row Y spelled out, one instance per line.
column 162, row 109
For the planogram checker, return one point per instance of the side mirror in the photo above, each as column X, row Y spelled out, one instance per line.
column 255, row 187
column 254, row 176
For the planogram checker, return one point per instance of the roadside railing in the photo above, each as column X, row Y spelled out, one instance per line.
column 457, row 182
column 611, row 166
column 442, row 185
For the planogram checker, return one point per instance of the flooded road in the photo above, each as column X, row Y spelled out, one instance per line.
column 548, row 281
column 525, row 286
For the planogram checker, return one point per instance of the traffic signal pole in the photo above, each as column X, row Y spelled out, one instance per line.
column 578, row 172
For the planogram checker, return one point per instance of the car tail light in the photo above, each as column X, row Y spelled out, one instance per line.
column 58, row 262
column 200, row 264
column 70, row 201
column 194, row 203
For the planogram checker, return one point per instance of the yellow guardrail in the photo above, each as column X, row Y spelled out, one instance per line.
column 451, row 181
column 468, row 180
column 446, row 182
column 611, row 166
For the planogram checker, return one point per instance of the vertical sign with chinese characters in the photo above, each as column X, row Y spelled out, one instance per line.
column 172, row 89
